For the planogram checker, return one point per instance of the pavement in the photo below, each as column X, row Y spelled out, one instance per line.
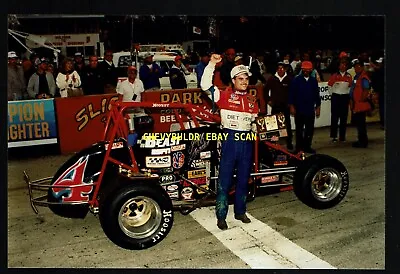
column 284, row 232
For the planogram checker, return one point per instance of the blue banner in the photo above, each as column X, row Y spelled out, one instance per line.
column 31, row 122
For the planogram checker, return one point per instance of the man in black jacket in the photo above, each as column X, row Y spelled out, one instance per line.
column 276, row 94
column 92, row 80
column 109, row 73
column 176, row 75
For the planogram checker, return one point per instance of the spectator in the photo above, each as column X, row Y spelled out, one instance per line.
column 378, row 84
column 226, row 66
column 68, row 80
column 28, row 67
column 276, row 92
column 339, row 84
column 92, row 80
column 176, row 75
column 351, row 70
column 238, row 112
column 359, row 104
column 41, row 85
column 15, row 79
column 257, row 69
column 238, row 60
column 150, row 73
column 314, row 73
column 199, row 69
column 305, row 104
column 131, row 89
column 79, row 63
column 286, row 63
column 108, row 72
column 295, row 63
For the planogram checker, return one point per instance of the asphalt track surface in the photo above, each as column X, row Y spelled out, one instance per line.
column 284, row 233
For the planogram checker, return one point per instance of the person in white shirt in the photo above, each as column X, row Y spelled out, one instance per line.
column 68, row 79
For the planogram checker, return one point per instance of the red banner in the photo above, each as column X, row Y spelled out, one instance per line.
column 81, row 120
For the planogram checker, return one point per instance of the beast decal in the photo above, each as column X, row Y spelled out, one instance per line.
column 71, row 177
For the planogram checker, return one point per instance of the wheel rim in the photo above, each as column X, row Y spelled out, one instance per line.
column 139, row 217
column 326, row 184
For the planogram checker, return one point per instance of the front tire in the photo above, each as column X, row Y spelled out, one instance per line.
column 321, row 181
column 137, row 216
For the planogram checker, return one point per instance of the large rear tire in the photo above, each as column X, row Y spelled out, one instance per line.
column 321, row 181
column 137, row 216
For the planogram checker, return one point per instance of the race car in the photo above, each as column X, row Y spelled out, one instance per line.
column 136, row 178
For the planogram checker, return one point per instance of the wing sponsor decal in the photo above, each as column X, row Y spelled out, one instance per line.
column 73, row 176
column 160, row 151
column 158, row 161
column 164, row 179
column 205, row 154
column 178, row 160
column 199, row 163
column 198, row 173
column 178, row 147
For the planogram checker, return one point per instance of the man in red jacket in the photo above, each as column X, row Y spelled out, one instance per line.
column 359, row 105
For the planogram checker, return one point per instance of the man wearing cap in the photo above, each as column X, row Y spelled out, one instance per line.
column 176, row 75
column 305, row 104
column 199, row 69
column 41, row 84
column 238, row 111
column 15, row 79
column 339, row 84
column 150, row 73
column 276, row 94
column 238, row 60
column 359, row 105
column 79, row 64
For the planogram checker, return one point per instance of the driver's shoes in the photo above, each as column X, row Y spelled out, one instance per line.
column 222, row 224
column 243, row 218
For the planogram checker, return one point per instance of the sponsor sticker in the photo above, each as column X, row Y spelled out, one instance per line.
column 281, row 160
column 270, row 179
column 173, row 195
column 172, row 187
column 157, row 143
column 158, row 161
column 187, row 193
column 178, row 160
column 198, row 173
column 205, row 154
column 198, row 163
column 280, row 163
column 200, row 191
column 167, row 178
column 166, row 170
column 160, row 151
column 178, row 147
column 114, row 145
column 200, row 181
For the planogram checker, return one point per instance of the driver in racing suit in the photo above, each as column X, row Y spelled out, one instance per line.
column 238, row 111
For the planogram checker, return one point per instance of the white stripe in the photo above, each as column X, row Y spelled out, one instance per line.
column 32, row 143
column 257, row 244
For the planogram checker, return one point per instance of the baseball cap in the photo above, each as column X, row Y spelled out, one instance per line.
column 132, row 68
column 357, row 61
column 147, row 55
column 380, row 60
column 306, row 65
column 237, row 58
column 239, row 69
column 12, row 54
column 178, row 57
column 43, row 60
column 78, row 54
column 342, row 54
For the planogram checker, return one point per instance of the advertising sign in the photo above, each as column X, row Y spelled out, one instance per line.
column 81, row 120
column 31, row 122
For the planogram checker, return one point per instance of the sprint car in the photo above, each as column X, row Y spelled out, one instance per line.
column 136, row 179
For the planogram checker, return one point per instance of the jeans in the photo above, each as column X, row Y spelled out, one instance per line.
column 339, row 112
column 236, row 154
